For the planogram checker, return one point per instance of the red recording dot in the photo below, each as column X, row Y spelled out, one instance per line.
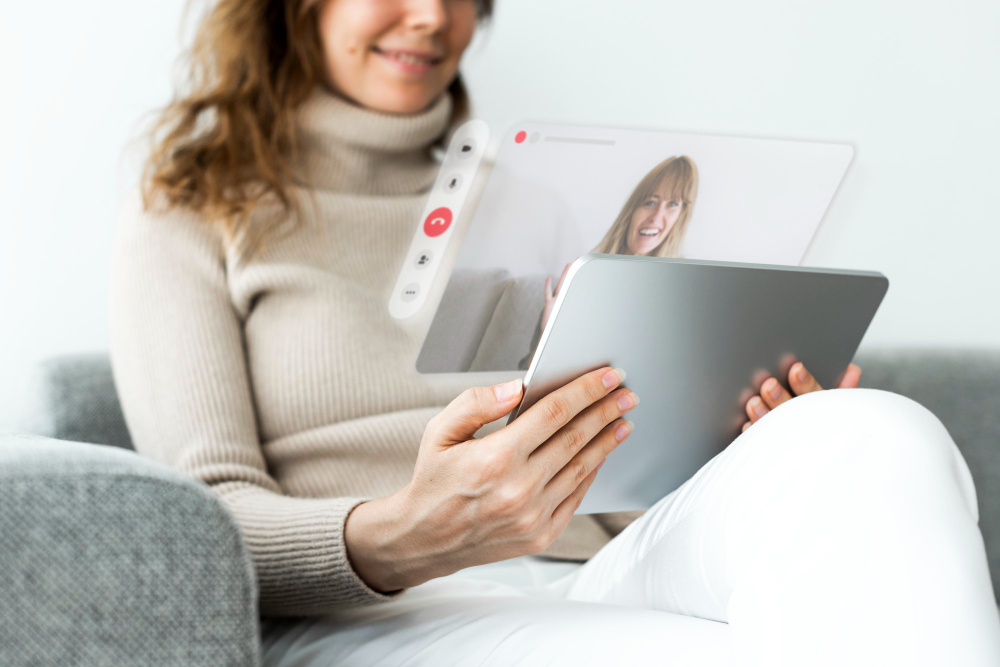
column 520, row 136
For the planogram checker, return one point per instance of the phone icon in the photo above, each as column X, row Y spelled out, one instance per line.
column 438, row 222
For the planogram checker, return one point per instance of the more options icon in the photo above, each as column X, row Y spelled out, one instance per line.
column 410, row 292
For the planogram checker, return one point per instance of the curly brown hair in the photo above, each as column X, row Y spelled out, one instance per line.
column 228, row 145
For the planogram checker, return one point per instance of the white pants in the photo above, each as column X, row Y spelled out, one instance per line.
column 841, row 529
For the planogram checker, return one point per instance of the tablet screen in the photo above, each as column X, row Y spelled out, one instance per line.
column 557, row 192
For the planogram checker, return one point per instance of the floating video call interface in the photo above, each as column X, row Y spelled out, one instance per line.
column 558, row 192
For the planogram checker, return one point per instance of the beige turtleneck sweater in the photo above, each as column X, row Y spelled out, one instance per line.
column 282, row 382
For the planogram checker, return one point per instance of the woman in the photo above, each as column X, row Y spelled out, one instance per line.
column 655, row 216
column 652, row 223
column 252, row 349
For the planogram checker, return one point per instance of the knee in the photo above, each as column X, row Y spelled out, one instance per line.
column 877, row 432
column 863, row 436
column 846, row 420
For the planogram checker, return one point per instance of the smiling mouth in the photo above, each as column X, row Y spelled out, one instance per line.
column 409, row 58
column 649, row 232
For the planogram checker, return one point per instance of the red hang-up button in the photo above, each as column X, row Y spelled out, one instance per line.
column 438, row 222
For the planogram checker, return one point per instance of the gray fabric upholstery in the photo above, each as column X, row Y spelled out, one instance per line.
column 73, row 398
column 466, row 308
column 962, row 387
column 485, row 322
column 508, row 337
column 108, row 558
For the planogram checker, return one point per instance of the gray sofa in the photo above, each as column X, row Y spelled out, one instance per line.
column 487, row 320
column 107, row 558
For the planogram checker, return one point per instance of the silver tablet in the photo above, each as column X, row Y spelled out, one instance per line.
column 697, row 339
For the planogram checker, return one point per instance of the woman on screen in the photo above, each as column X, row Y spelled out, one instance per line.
column 652, row 223
column 656, row 215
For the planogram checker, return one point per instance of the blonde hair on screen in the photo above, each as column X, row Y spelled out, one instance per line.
column 677, row 177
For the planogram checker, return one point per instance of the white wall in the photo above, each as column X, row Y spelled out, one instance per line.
column 78, row 79
column 915, row 86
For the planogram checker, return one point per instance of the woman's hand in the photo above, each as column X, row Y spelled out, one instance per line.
column 772, row 394
column 551, row 294
column 508, row 494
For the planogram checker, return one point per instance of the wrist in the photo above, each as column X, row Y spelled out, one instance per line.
column 373, row 536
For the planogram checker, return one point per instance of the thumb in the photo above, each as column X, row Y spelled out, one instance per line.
column 471, row 410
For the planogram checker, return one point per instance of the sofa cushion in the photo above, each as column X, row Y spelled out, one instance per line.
column 466, row 308
column 73, row 398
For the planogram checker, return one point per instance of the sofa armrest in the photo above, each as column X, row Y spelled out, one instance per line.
column 108, row 558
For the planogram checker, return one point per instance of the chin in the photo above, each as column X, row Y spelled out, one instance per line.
column 642, row 251
column 403, row 102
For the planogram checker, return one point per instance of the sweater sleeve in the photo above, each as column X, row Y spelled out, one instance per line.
column 179, row 365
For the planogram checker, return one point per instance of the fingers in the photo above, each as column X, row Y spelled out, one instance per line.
column 569, row 486
column 550, row 301
column 472, row 409
column 852, row 377
column 772, row 394
column 562, row 277
column 756, row 409
column 550, row 295
column 801, row 381
column 564, row 512
column 543, row 419
column 562, row 448
column 597, row 450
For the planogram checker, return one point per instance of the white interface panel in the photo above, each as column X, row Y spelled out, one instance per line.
column 444, row 205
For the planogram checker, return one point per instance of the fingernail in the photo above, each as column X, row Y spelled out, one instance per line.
column 508, row 390
column 622, row 430
column 627, row 401
column 758, row 407
column 801, row 375
column 613, row 377
column 772, row 388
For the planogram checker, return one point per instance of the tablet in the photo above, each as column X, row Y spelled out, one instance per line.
column 696, row 340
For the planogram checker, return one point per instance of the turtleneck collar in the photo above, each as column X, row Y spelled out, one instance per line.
column 347, row 148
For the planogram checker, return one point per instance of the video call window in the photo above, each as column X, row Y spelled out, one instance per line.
column 558, row 192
